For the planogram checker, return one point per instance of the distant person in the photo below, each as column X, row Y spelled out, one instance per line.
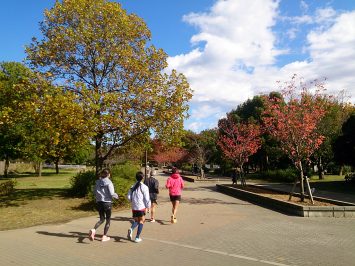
column 138, row 195
column 153, row 186
column 234, row 176
column 104, row 192
column 175, row 184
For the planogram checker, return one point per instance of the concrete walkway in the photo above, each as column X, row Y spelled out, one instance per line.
column 212, row 229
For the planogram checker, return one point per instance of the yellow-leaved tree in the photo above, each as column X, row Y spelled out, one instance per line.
column 102, row 54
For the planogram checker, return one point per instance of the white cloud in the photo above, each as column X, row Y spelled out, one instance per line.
column 235, row 52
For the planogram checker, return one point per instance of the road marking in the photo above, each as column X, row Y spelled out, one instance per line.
column 216, row 252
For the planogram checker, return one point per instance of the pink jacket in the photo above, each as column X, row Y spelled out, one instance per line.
column 175, row 184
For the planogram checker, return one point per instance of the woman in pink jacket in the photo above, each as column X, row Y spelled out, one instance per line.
column 175, row 184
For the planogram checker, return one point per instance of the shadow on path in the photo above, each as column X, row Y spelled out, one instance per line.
column 80, row 236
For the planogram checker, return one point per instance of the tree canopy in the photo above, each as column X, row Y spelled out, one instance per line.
column 102, row 54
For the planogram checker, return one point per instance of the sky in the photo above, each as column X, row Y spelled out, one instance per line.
column 229, row 50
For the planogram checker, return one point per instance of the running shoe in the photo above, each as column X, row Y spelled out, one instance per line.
column 105, row 238
column 129, row 234
column 92, row 234
column 172, row 219
column 137, row 240
column 152, row 220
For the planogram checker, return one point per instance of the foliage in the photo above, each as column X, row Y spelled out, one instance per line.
column 7, row 187
column 166, row 154
column 99, row 52
column 279, row 175
column 81, row 184
column 337, row 112
column 344, row 146
column 294, row 123
column 238, row 141
column 122, row 177
column 11, row 133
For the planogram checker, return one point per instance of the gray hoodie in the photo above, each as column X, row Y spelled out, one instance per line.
column 104, row 190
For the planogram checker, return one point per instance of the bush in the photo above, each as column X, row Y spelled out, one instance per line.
column 81, row 183
column 7, row 187
column 281, row 175
column 122, row 177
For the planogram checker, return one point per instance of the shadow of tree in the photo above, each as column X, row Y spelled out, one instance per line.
column 19, row 196
column 209, row 201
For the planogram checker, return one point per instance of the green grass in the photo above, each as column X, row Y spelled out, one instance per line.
column 333, row 183
column 41, row 200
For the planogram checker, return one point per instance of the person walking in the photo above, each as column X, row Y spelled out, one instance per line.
column 175, row 184
column 153, row 186
column 104, row 192
column 138, row 195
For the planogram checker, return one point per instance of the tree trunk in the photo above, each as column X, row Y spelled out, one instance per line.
column 301, row 180
column 38, row 168
column 341, row 170
column 6, row 167
column 320, row 168
column 98, row 155
column 57, row 166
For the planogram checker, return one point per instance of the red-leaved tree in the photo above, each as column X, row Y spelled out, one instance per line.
column 238, row 141
column 293, row 121
column 163, row 154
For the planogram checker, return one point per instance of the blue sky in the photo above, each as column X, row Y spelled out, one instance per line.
column 230, row 50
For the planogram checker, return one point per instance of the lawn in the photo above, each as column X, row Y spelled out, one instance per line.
column 333, row 183
column 41, row 200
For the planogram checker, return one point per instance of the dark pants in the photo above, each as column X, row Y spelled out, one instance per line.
column 104, row 209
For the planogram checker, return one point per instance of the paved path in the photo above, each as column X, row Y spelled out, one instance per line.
column 212, row 229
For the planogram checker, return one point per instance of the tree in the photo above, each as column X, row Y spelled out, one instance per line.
column 98, row 51
column 337, row 112
column 238, row 141
column 163, row 154
column 11, row 133
column 344, row 146
column 294, row 122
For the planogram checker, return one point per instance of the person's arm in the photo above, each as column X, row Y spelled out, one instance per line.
column 129, row 194
column 168, row 185
column 146, row 198
column 112, row 191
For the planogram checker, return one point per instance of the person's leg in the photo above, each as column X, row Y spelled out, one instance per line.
column 133, row 226
column 176, row 205
column 101, row 211
column 140, row 228
column 108, row 209
column 152, row 212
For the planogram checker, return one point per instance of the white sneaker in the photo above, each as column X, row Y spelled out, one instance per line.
column 92, row 234
column 105, row 238
column 152, row 220
column 137, row 240
column 129, row 234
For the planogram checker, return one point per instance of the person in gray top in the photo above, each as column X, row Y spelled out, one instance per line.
column 104, row 192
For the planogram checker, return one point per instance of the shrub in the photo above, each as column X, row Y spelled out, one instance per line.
column 281, row 175
column 122, row 177
column 7, row 187
column 81, row 183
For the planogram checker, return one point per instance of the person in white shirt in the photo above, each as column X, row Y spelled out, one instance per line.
column 138, row 195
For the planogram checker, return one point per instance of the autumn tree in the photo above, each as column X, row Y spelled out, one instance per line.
column 238, row 140
column 294, row 121
column 11, row 133
column 101, row 53
column 166, row 154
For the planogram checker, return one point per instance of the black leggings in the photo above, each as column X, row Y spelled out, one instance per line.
column 104, row 209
